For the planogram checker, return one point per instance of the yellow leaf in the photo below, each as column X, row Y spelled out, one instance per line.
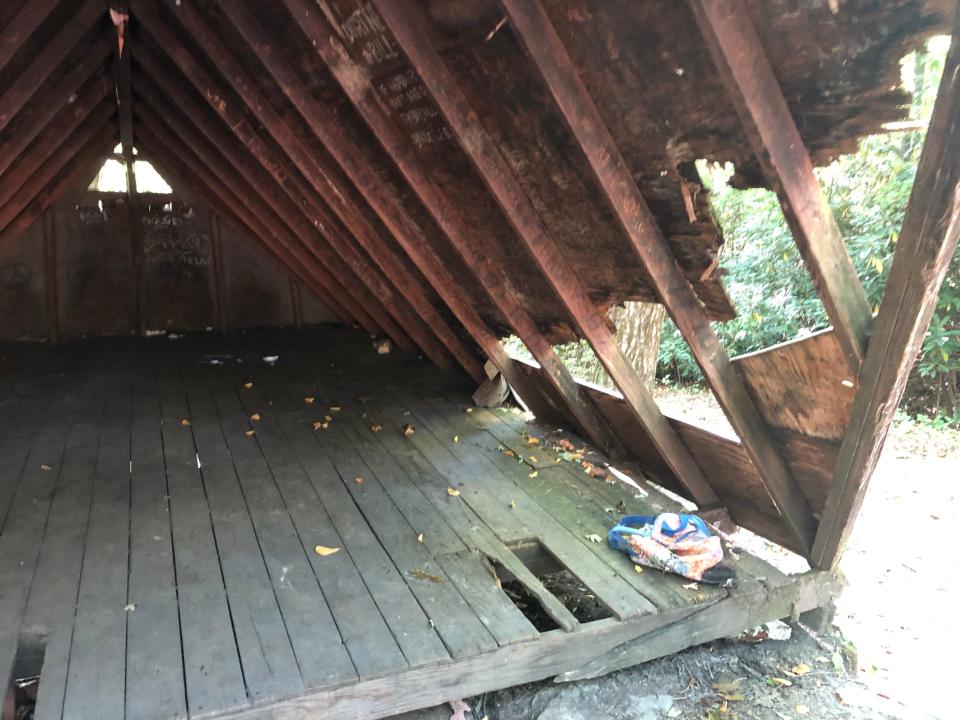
column 533, row 474
column 800, row 670
column 324, row 550
column 335, row 408
column 456, row 438
column 255, row 417
column 469, row 410
column 638, row 568
column 802, row 709
column 250, row 433
column 533, row 440
column 453, row 493
column 185, row 423
column 727, row 688
column 533, row 459
column 376, row 428
column 309, row 400
column 46, row 468
column 782, row 682
column 247, row 385
column 328, row 418
column 513, row 504
column 420, row 537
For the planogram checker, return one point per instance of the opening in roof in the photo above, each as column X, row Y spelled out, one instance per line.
column 112, row 176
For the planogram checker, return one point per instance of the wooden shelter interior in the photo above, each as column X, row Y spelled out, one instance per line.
column 219, row 498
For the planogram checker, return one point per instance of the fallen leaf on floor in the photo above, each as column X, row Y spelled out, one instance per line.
column 779, row 682
column 358, row 480
column 255, row 417
column 420, row 537
column 408, row 430
column 335, row 408
column 593, row 537
column 802, row 709
column 800, row 670
column 638, row 568
column 821, row 659
column 327, row 418
column 184, row 423
column 46, row 468
column 691, row 586
column 533, row 459
column 727, row 688
column 317, row 424
column 309, row 400
column 250, row 433
column 469, row 410
column 533, row 474
column 376, row 428
column 130, row 607
column 424, row 575
column 508, row 452
column 247, row 385
column 533, row 440
column 456, row 438
column 513, row 504
column 324, row 550
column 453, row 493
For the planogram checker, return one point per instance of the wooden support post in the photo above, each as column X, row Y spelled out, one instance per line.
column 451, row 221
column 21, row 26
column 756, row 94
column 927, row 243
column 61, row 173
column 234, row 192
column 63, row 95
column 55, row 53
column 427, row 325
column 50, row 163
column 532, row 26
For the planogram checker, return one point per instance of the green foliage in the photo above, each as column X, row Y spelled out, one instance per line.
column 769, row 284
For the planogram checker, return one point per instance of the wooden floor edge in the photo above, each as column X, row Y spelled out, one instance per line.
column 594, row 650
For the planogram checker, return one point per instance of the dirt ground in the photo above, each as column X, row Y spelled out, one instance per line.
column 890, row 653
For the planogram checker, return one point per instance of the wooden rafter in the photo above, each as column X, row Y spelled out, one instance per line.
column 756, row 94
column 517, row 207
column 451, row 221
column 21, row 27
column 60, row 99
column 927, row 243
column 312, row 111
column 428, row 321
column 55, row 54
column 177, row 152
column 74, row 162
column 51, row 138
column 50, row 161
column 182, row 176
column 183, row 141
column 533, row 27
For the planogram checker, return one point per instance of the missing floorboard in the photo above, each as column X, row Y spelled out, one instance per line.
column 21, row 697
column 573, row 593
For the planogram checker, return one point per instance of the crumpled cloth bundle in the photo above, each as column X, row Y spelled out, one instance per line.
column 672, row 542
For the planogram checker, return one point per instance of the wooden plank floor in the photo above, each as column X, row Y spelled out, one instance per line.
column 161, row 502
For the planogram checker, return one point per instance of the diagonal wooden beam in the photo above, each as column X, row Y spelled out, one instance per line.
column 526, row 222
column 56, row 51
column 321, row 186
column 46, row 169
column 65, row 171
column 926, row 245
column 175, row 153
column 756, row 94
column 183, row 177
column 50, row 139
column 267, row 222
column 61, row 99
column 449, row 218
column 21, row 27
column 311, row 110
column 536, row 33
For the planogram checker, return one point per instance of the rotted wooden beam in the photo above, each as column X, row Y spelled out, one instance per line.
column 56, row 51
column 175, row 152
column 259, row 214
column 927, row 243
column 50, row 139
column 753, row 88
column 503, row 185
column 451, row 220
column 182, row 176
column 21, row 27
column 60, row 100
column 52, row 155
column 543, row 45
column 62, row 173
column 322, row 178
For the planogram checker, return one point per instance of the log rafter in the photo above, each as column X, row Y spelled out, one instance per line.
column 536, row 33
column 756, row 94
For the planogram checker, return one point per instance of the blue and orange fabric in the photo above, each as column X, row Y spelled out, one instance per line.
column 672, row 542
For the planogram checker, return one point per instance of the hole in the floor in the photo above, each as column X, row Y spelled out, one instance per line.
column 21, row 697
column 574, row 594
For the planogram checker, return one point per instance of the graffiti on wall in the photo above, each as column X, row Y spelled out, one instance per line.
column 168, row 239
